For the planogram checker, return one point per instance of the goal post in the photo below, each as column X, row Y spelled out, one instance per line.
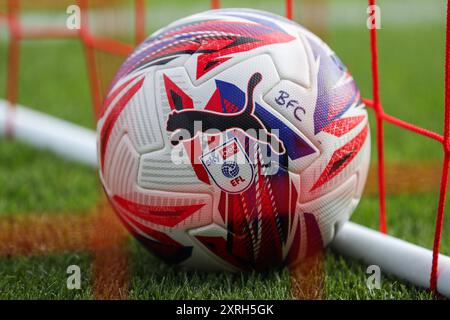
column 403, row 259
column 407, row 261
column 417, row 265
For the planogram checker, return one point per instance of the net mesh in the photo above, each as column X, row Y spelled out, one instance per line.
column 107, row 43
column 108, row 31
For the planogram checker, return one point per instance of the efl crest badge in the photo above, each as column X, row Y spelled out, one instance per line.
column 229, row 167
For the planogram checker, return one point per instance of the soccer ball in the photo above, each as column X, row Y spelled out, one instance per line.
column 233, row 140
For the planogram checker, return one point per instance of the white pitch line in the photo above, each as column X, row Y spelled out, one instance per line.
column 394, row 13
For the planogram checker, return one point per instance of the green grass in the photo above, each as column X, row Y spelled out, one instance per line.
column 33, row 180
column 411, row 81
column 43, row 277
column 153, row 279
column 38, row 181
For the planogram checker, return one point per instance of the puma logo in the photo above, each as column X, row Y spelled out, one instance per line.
column 211, row 120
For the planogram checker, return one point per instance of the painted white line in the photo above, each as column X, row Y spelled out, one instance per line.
column 396, row 13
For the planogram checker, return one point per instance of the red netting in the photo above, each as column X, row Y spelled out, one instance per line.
column 104, row 51
column 381, row 117
column 97, row 39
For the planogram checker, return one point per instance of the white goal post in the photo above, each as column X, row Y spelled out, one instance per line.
column 400, row 258
column 394, row 256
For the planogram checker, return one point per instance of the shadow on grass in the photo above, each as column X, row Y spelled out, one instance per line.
column 154, row 279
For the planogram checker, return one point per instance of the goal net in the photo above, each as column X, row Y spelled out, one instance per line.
column 107, row 32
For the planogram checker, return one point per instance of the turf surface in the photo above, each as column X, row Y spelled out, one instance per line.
column 37, row 181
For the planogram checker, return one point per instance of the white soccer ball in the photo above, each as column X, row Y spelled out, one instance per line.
column 233, row 139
